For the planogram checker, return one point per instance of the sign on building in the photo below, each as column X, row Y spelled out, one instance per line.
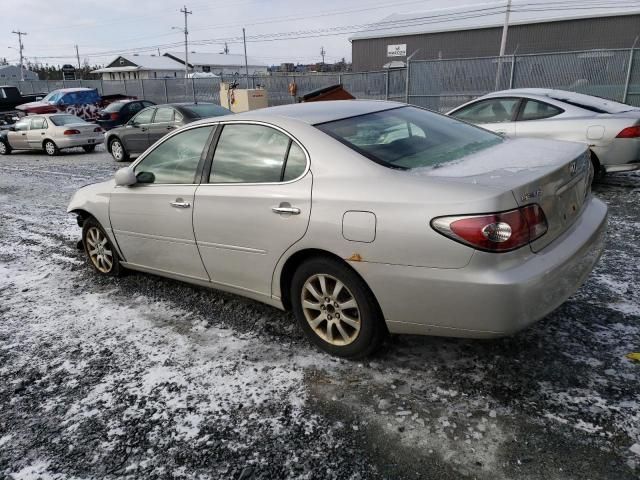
column 399, row 50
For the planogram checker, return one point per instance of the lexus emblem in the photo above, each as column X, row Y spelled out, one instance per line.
column 573, row 168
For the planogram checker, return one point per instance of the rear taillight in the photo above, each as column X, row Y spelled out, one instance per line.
column 630, row 132
column 115, row 116
column 495, row 232
column 97, row 129
column 72, row 132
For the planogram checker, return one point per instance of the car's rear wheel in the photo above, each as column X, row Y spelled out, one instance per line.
column 336, row 309
column 598, row 170
column 117, row 150
column 5, row 149
column 50, row 148
column 99, row 249
column 89, row 148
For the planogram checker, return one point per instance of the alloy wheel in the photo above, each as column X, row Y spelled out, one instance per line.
column 98, row 249
column 331, row 309
column 3, row 148
column 116, row 150
column 50, row 148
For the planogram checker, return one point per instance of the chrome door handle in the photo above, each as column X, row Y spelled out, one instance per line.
column 180, row 204
column 289, row 210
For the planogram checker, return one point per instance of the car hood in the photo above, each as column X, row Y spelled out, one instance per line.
column 35, row 106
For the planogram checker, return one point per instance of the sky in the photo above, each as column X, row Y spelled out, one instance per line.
column 102, row 29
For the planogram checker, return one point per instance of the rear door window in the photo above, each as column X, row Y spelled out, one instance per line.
column 163, row 115
column 144, row 117
column 491, row 110
column 38, row 123
column 535, row 110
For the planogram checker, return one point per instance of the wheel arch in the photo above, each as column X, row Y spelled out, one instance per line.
column 47, row 139
column 296, row 259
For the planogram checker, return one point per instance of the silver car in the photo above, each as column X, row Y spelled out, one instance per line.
column 611, row 129
column 51, row 133
column 362, row 217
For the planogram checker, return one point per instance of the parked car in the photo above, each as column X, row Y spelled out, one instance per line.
column 611, row 129
column 50, row 133
column 362, row 217
column 153, row 123
column 10, row 98
column 120, row 112
column 82, row 102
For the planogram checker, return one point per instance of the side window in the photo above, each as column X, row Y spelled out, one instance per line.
column 22, row 125
column 534, row 110
column 492, row 110
column 143, row 117
column 175, row 160
column 38, row 123
column 132, row 108
column 296, row 163
column 177, row 116
column 145, row 104
column 163, row 115
column 249, row 154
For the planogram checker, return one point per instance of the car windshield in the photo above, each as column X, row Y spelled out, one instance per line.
column 204, row 110
column 61, row 120
column 409, row 137
column 115, row 107
column 52, row 97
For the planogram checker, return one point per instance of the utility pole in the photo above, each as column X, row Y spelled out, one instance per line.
column 78, row 57
column 503, row 43
column 322, row 52
column 226, row 48
column 246, row 63
column 20, row 34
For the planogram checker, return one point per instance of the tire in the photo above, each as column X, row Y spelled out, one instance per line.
column 598, row 171
column 100, row 252
column 50, row 148
column 346, row 324
column 5, row 148
column 118, row 151
column 89, row 148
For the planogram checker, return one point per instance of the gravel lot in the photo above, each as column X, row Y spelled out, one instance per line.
column 142, row 377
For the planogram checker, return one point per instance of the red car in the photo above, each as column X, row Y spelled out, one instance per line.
column 81, row 102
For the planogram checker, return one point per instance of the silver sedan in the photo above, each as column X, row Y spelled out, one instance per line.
column 51, row 133
column 611, row 129
column 362, row 217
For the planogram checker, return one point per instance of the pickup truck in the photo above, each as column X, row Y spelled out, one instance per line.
column 85, row 103
column 10, row 98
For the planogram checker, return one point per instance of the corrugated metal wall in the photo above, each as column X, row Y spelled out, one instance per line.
column 584, row 34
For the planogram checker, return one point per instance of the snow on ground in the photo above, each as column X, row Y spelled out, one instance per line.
column 143, row 377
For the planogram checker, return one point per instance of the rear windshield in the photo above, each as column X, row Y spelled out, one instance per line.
column 204, row 110
column 409, row 137
column 60, row 120
column 115, row 107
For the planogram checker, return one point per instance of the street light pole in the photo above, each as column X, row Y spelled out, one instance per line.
column 503, row 44
column 186, row 51
column 20, row 34
column 246, row 63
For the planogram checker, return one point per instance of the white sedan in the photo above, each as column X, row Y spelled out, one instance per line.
column 611, row 129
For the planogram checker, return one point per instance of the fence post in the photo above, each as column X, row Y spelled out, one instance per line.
column 193, row 89
column 64, row 85
column 407, row 82
column 513, row 71
column 124, row 83
column 625, row 95
column 166, row 95
column 102, row 86
column 386, row 84
column 340, row 78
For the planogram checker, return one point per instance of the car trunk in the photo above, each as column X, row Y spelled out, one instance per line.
column 86, row 130
column 553, row 174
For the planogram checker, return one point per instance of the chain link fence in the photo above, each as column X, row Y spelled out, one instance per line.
column 436, row 84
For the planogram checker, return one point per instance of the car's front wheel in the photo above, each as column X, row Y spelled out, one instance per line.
column 117, row 150
column 99, row 249
column 50, row 148
column 5, row 149
column 336, row 309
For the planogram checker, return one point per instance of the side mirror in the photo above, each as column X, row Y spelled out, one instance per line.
column 125, row 177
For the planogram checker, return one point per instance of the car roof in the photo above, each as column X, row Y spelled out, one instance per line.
column 320, row 112
column 573, row 98
column 76, row 89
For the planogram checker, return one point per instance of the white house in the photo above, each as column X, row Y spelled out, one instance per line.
column 134, row 67
column 220, row 63
column 12, row 73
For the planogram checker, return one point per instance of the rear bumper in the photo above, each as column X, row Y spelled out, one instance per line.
column 628, row 167
column 495, row 294
column 69, row 141
column 621, row 155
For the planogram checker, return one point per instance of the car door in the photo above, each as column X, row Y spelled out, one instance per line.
column 18, row 136
column 252, row 206
column 495, row 114
column 535, row 120
column 136, row 132
column 37, row 132
column 152, row 220
column 162, row 124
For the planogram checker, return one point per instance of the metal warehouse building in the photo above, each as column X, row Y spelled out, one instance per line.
column 473, row 32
